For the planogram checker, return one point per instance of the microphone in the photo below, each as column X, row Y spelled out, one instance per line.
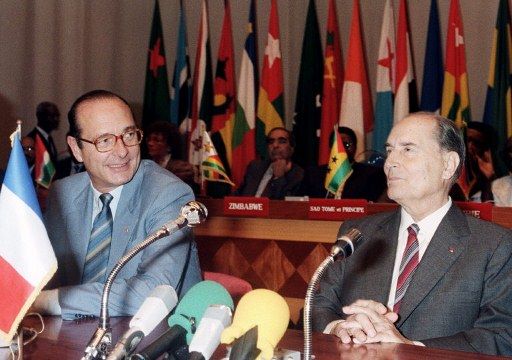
column 207, row 336
column 345, row 243
column 261, row 314
column 343, row 247
column 191, row 214
column 152, row 311
column 186, row 318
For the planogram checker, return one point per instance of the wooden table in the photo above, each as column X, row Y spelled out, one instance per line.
column 67, row 340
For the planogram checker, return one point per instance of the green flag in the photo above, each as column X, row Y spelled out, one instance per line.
column 307, row 103
column 156, row 92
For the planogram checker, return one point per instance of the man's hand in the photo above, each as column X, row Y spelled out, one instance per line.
column 368, row 322
column 281, row 167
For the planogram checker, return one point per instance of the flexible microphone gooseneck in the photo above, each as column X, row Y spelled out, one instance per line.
column 342, row 248
column 191, row 214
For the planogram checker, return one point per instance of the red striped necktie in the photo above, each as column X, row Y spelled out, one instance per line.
column 410, row 261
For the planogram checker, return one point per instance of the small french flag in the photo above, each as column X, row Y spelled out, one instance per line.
column 27, row 260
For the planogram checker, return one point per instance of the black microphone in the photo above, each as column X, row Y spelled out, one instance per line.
column 173, row 338
column 152, row 311
column 345, row 243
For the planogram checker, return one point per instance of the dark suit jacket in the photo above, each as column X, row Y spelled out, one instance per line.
column 287, row 185
column 460, row 296
column 366, row 182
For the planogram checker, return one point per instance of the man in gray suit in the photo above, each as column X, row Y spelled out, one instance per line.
column 141, row 198
column 426, row 274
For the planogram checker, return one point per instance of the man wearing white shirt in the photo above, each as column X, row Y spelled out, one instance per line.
column 425, row 274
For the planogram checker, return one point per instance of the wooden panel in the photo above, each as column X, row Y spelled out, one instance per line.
column 270, row 229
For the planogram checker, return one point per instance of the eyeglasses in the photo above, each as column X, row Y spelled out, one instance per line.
column 107, row 142
column 280, row 140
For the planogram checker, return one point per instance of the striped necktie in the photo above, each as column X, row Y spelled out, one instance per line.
column 410, row 261
column 98, row 249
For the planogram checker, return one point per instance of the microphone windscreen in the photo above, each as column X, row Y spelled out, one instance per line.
column 155, row 308
column 265, row 309
column 191, row 308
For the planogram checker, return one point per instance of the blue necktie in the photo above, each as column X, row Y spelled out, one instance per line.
column 98, row 249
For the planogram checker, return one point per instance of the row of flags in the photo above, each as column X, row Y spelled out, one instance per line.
column 329, row 92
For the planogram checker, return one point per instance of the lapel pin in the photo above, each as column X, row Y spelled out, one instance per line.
column 451, row 249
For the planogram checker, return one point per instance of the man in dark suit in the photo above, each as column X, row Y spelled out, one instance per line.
column 48, row 119
column 278, row 176
column 366, row 181
column 95, row 217
column 426, row 274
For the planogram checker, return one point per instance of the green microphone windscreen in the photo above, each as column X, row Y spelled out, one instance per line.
column 191, row 308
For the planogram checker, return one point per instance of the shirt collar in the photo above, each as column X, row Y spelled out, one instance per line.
column 429, row 224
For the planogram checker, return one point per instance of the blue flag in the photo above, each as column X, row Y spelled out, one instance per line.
column 181, row 90
column 433, row 72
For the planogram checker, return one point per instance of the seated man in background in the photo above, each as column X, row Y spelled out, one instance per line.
column 366, row 181
column 502, row 187
column 95, row 217
column 425, row 274
column 278, row 176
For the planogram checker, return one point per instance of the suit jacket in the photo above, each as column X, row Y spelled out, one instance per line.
column 287, row 185
column 460, row 296
column 153, row 197
column 366, row 182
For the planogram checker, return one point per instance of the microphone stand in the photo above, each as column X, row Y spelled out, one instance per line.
column 192, row 213
column 344, row 247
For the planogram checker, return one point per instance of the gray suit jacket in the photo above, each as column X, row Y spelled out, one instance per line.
column 460, row 296
column 153, row 197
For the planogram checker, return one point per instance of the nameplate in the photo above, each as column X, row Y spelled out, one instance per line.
column 336, row 209
column 479, row 210
column 246, row 206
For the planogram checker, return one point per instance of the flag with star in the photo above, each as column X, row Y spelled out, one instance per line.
column 243, row 141
column 332, row 85
column 385, row 80
column 181, row 89
column 339, row 168
column 306, row 120
column 212, row 168
column 270, row 113
column 224, row 90
column 202, row 94
column 156, row 92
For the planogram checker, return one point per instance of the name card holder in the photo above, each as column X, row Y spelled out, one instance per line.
column 336, row 209
column 246, row 206
column 479, row 210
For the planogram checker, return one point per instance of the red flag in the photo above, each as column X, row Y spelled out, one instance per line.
column 333, row 84
column 406, row 95
column 224, row 90
column 356, row 103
